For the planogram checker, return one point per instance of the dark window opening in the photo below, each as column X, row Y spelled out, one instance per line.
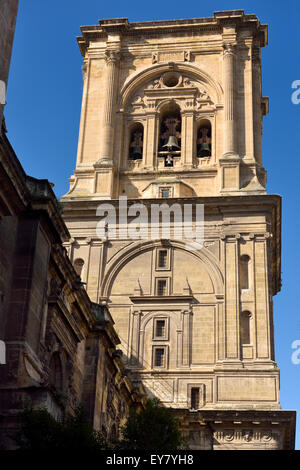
column 169, row 145
column 159, row 357
column 136, row 143
column 165, row 192
column 160, row 328
column 162, row 257
column 244, row 272
column 195, row 398
column 161, row 287
column 204, row 141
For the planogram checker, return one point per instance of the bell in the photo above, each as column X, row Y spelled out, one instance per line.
column 137, row 152
column 204, row 150
column 172, row 142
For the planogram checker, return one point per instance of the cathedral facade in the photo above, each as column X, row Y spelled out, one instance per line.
column 171, row 122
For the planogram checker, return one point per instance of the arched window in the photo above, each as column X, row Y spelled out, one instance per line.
column 56, row 374
column 244, row 271
column 204, row 139
column 136, row 142
column 245, row 327
column 169, row 145
column 78, row 266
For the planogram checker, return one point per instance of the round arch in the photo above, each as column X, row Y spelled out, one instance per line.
column 126, row 254
column 151, row 72
column 150, row 315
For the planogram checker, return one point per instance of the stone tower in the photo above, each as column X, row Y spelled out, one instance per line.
column 172, row 114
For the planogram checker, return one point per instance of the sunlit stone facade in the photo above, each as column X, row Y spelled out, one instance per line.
column 172, row 113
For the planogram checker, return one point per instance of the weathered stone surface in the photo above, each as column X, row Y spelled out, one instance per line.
column 8, row 17
column 61, row 349
column 207, row 312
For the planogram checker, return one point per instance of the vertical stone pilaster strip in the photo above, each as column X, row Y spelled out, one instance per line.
column 187, row 142
column 231, row 301
column 85, row 97
column 186, row 338
column 135, row 334
column 94, row 268
column 150, row 140
column 262, row 316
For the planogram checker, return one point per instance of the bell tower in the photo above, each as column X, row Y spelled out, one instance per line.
column 172, row 116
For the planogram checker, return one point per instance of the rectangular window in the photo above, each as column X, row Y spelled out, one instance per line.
column 165, row 192
column 195, row 396
column 162, row 258
column 162, row 287
column 160, row 330
column 159, row 357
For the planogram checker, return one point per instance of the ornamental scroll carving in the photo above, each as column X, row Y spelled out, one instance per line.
column 159, row 57
column 247, row 436
column 191, row 94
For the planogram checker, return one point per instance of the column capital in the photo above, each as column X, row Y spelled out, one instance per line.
column 112, row 56
column 229, row 48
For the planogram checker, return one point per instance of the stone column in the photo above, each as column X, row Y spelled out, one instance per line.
column 229, row 111
column 112, row 64
column 257, row 99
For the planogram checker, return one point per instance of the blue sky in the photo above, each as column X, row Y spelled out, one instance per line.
column 43, row 111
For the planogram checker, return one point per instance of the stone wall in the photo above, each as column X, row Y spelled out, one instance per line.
column 61, row 349
column 8, row 15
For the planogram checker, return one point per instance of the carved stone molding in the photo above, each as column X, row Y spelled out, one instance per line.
column 229, row 49
column 173, row 55
column 112, row 56
column 244, row 436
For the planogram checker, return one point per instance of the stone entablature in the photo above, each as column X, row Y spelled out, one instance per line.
column 238, row 430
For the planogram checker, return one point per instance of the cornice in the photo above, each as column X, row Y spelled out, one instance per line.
column 124, row 28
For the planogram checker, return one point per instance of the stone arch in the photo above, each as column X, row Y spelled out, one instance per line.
column 129, row 252
column 163, row 103
column 149, row 316
column 140, row 77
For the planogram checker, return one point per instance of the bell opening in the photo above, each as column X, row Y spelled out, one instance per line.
column 204, row 140
column 136, row 142
column 170, row 129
